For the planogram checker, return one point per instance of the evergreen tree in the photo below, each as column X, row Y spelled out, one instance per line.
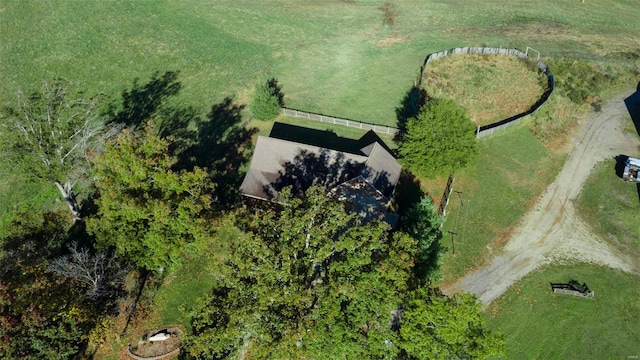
column 266, row 101
column 439, row 141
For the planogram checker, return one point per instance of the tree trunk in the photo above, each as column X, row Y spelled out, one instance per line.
column 70, row 198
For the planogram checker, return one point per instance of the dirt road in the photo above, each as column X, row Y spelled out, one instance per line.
column 552, row 231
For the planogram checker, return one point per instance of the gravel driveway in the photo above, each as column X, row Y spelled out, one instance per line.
column 552, row 230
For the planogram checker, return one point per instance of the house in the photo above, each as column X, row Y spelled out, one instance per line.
column 364, row 178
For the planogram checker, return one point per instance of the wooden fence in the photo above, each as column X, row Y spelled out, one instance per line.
column 339, row 121
column 487, row 130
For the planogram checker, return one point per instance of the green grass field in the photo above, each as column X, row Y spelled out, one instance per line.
column 511, row 172
column 612, row 207
column 539, row 324
column 335, row 57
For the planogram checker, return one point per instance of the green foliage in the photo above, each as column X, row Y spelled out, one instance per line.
column 439, row 141
column 310, row 281
column 41, row 316
column 48, row 135
column 423, row 223
column 439, row 327
column 145, row 209
column 582, row 81
column 266, row 100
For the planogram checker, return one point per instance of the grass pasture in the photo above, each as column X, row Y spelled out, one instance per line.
column 335, row 57
column 490, row 87
column 612, row 207
column 539, row 324
column 496, row 191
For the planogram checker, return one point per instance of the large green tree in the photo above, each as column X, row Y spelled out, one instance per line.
column 49, row 134
column 439, row 327
column 146, row 210
column 311, row 281
column 439, row 141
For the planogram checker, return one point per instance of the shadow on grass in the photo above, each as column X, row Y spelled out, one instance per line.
column 325, row 138
column 218, row 141
column 410, row 106
column 408, row 193
column 144, row 100
column 620, row 160
column 633, row 106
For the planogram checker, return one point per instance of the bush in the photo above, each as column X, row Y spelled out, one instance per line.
column 583, row 82
column 266, row 100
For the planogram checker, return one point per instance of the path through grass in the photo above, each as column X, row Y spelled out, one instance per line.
column 496, row 191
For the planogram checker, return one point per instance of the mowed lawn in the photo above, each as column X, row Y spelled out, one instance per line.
column 612, row 207
column 335, row 57
column 513, row 169
column 539, row 324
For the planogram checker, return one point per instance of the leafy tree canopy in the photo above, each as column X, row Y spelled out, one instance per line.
column 49, row 133
column 311, row 281
column 439, row 141
column 145, row 209
column 423, row 223
column 41, row 316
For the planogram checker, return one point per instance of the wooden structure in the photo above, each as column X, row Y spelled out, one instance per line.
column 572, row 288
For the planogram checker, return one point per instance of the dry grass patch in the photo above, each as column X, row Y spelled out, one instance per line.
column 489, row 87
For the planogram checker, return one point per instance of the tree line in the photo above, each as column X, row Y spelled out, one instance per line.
column 306, row 279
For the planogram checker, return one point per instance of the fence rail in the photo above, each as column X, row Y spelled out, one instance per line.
column 487, row 130
column 481, row 131
column 339, row 121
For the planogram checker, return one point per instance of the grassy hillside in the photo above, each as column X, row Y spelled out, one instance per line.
column 496, row 191
column 336, row 57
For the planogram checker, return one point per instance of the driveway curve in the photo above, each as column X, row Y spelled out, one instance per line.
column 552, row 231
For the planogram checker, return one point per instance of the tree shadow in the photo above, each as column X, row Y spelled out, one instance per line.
column 409, row 107
column 220, row 143
column 276, row 90
column 408, row 193
column 217, row 141
column 325, row 168
column 142, row 101
column 320, row 138
column 363, row 189
column 633, row 106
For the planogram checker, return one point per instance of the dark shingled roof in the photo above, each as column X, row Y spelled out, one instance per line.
column 367, row 179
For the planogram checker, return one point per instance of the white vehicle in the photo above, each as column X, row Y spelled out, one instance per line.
column 631, row 170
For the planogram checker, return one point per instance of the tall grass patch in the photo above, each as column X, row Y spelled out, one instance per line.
column 496, row 191
column 490, row 87
column 611, row 206
column 539, row 324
